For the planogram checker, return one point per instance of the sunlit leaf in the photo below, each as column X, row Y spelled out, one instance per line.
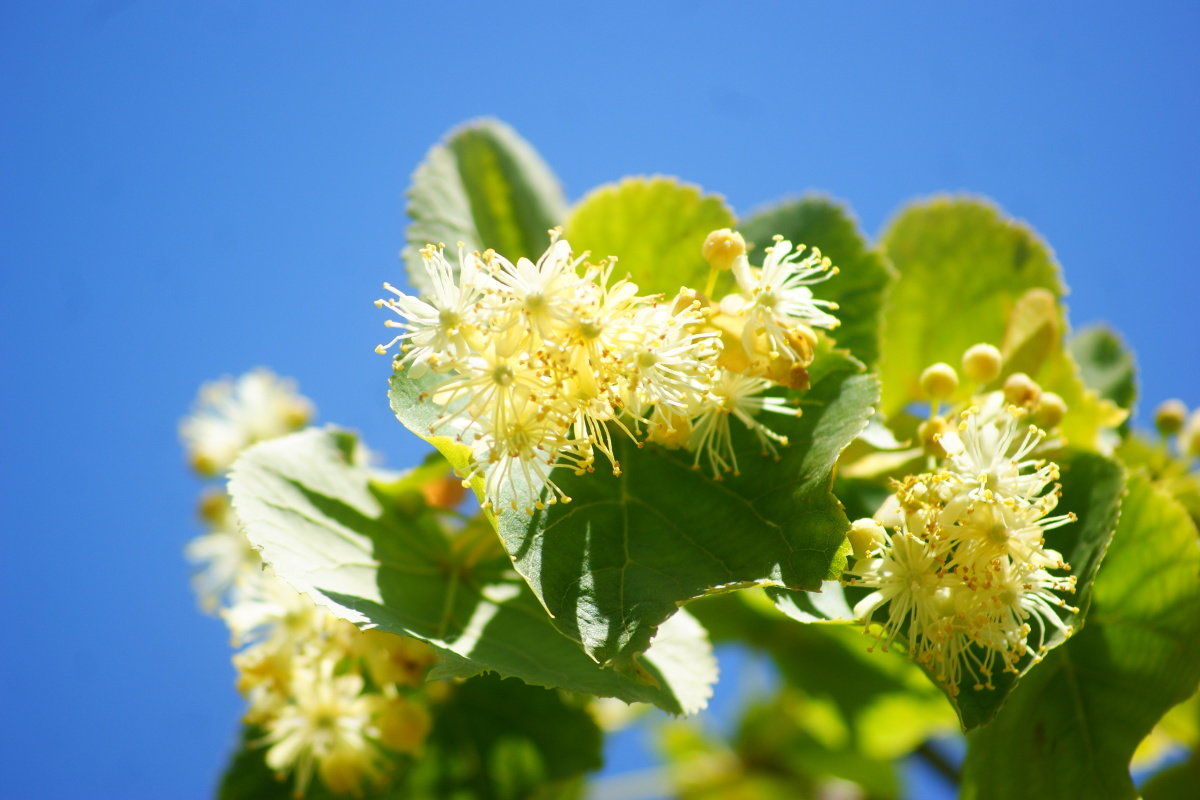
column 654, row 226
column 962, row 266
column 486, row 187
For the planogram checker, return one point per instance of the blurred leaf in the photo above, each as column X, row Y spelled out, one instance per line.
column 247, row 777
column 1106, row 364
column 864, row 274
column 961, row 267
column 486, row 187
column 887, row 704
column 655, row 226
column 333, row 534
column 1168, row 473
column 500, row 739
column 1177, row 782
column 791, row 736
column 1073, row 723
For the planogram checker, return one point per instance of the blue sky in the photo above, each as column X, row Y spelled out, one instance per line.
column 195, row 188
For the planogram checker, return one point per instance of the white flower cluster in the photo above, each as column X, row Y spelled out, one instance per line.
column 330, row 699
column 232, row 414
column 536, row 365
column 964, row 575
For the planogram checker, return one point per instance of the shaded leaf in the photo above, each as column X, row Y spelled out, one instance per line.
column 1074, row 722
column 331, row 532
column 619, row 560
column 863, row 275
column 1177, row 782
column 486, row 187
column 1105, row 363
column 655, row 227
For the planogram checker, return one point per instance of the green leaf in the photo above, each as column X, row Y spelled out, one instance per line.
column 1106, row 364
column 486, row 187
column 962, row 267
column 500, row 739
column 357, row 549
column 864, row 274
column 654, row 226
column 247, row 777
column 1074, row 722
column 620, row 559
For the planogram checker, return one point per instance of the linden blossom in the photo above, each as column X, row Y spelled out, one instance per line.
column 537, row 365
column 965, row 575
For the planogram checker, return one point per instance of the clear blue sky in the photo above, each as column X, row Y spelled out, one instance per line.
column 199, row 187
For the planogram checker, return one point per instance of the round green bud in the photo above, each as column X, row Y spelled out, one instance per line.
column 1169, row 416
column 939, row 381
column 1049, row 410
column 1021, row 390
column 981, row 363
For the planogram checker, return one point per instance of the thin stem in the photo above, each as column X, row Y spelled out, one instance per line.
column 942, row 765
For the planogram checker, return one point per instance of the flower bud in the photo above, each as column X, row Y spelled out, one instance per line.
column 865, row 535
column 403, row 725
column 1169, row 416
column 981, row 363
column 213, row 507
column 1021, row 390
column 939, row 381
column 723, row 247
column 928, row 433
column 1049, row 410
column 443, row 492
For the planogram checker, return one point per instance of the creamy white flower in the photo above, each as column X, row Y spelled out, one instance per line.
column 223, row 554
column 436, row 327
column 232, row 414
column 776, row 299
column 990, row 456
column 327, row 726
column 740, row 396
